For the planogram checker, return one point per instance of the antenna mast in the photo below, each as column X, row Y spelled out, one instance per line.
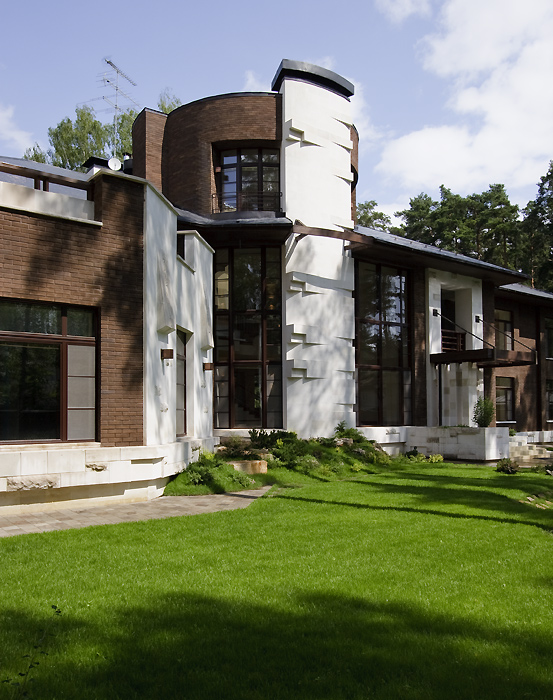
column 113, row 82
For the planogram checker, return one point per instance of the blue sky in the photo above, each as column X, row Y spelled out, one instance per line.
column 454, row 92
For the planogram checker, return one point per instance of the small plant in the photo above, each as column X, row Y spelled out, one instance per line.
column 506, row 466
column 342, row 431
column 435, row 458
column 484, row 411
column 512, row 432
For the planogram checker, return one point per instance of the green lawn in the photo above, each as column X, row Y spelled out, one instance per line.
column 418, row 582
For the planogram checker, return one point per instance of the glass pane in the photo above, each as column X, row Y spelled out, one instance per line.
column 247, row 403
column 391, row 346
column 247, row 279
column 247, row 337
column 392, row 286
column 221, row 338
column 249, row 155
column 30, row 318
column 29, row 392
column 368, row 397
column 249, row 179
column 549, row 337
column 270, row 155
column 368, row 343
column 367, row 292
column 229, row 177
column 80, row 322
column 407, row 398
column 274, row 338
column 228, row 157
column 272, row 255
column 391, row 395
column 270, row 175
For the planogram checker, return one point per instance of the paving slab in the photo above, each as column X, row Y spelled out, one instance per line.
column 163, row 507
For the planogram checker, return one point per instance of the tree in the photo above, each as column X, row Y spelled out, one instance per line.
column 369, row 217
column 484, row 225
column 73, row 142
column 167, row 101
column 537, row 240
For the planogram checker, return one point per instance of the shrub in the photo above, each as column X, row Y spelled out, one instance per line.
column 342, row 431
column 507, row 466
column 434, row 458
column 512, row 432
column 484, row 411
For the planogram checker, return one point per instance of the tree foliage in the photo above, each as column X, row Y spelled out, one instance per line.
column 72, row 142
column 483, row 225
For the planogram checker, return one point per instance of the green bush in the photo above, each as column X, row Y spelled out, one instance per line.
column 506, row 466
column 210, row 474
column 484, row 411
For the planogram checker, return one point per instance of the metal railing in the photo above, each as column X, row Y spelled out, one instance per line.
column 246, row 201
column 453, row 341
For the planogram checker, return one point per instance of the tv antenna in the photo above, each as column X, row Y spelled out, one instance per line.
column 111, row 80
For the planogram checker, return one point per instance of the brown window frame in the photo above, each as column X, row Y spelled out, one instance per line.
column 404, row 367
column 64, row 341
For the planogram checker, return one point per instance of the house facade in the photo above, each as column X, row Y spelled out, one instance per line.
column 217, row 284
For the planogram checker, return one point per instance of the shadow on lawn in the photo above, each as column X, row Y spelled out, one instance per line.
column 461, row 493
column 320, row 647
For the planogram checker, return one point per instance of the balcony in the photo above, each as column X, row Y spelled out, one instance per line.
column 453, row 341
column 246, row 201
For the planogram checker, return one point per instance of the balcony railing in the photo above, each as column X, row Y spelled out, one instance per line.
column 246, row 201
column 453, row 341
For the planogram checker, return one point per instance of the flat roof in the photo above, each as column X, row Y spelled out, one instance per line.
column 310, row 73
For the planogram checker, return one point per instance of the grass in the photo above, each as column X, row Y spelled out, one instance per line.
column 417, row 582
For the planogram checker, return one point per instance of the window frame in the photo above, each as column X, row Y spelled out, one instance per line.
column 240, row 193
column 509, row 392
column 504, row 330
column 225, row 355
column 404, row 367
column 64, row 341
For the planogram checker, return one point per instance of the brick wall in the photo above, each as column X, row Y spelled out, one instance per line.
column 529, row 397
column 147, row 139
column 49, row 259
column 187, row 159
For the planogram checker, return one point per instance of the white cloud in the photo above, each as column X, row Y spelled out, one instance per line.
column 398, row 10
column 369, row 135
column 498, row 58
column 11, row 137
column 253, row 83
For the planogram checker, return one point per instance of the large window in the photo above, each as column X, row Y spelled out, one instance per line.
column 504, row 399
column 383, row 354
column 503, row 321
column 47, row 372
column 248, row 338
column 249, row 180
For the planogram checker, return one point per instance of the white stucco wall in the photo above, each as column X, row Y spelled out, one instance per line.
column 316, row 155
column 177, row 295
column 319, row 365
column 463, row 382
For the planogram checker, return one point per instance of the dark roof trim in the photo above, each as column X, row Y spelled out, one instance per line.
column 448, row 260
column 521, row 289
column 310, row 73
